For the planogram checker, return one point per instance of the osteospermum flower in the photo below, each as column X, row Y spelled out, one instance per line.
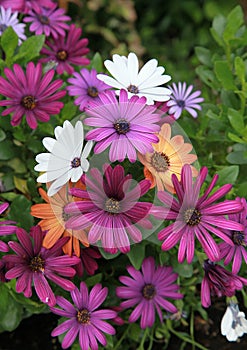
column 9, row 19
column 236, row 252
column 67, row 159
column 48, row 21
column 34, row 264
column 7, row 227
column 111, row 208
column 148, row 291
column 88, row 262
column 85, row 319
column 53, row 221
column 183, row 99
column 233, row 323
column 146, row 82
column 24, row 6
column 196, row 216
column 30, row 94
column 126, row 126
column 219, row 282
column 87, row 87
column 66, row 51
column 167, row 158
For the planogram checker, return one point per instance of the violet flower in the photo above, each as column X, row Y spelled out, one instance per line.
column 196, row 216
column 7, row 227
column 85, row 319
column 219, row 282
column 88, row 262
column 35, row 264
column 148, row 291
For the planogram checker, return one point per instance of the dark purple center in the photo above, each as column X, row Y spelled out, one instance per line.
column 133, row 89
column 122, row 126
column 37, row 264
column 28, row 102
column 92, row 91
column 83, row 316
column 238, row 238
column 62, row 55
column 192, row 217
column 149, row 291
column 75, row 162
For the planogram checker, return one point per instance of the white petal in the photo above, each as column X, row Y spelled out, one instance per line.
column 118, row 69
column 57, row 131
column 226, row 322
column 154, row 80
column 76, row 173
column 147, row 71
column 133, row 67
column 84, row 164
column 52, row 163
column 87, row 149
column 56, row 185
column 231, row 335
column 49, row 143
column 52, row 175
column 111, row 82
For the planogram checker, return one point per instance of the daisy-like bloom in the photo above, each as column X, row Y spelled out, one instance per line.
column 146, row 82
column 24, row 6
column 111, row 208
column 48, row 21
column 85, row 319
column 88, row 262
column 237, row 252
column 7, row 227
column 167, row 158
column 148, row 290
column 66, row 51
column 87, row 87
column 196, row 216
column 182, row 98
column 67, row 159
column 233, row 323
column 124, row 125
column 30, row 94
column 34, row 264
column 219, row 282
column 53, row 221
column 9, row 19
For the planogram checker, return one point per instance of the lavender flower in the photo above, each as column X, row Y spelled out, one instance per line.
column 181, row 98
column 148, row 290
column 7, row 227
column 219, row 282
column 87, row 87
column 233, row 323
column 9, row 19
column 237, row 252
column 85, row 319
column 33, row 263
column 126, row 126
column 196, row 216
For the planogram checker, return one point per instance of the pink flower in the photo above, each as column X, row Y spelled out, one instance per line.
column 219, row 282
column 34, row 264
column 48, row 21
column 24, row 6
column 196, row 216
column 148, row 290
column 88, row 262
column 7, row 227
column 84, row 317
column 66, row 51
column 30, row 94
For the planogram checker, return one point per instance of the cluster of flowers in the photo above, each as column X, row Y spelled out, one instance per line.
column 130, row 114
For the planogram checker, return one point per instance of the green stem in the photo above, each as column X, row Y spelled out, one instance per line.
column 143, row 338
column 192, row 329
column 122, row 338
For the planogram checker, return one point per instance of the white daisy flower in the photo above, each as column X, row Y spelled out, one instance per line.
column 67, row 159
column 8, row 19
column 233, row 324
column 146, row 82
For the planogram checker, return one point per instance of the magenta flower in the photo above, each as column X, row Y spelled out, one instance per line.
column 87, row 87
column 126, row 126
column 148, row 290
column 35, row 264
column 110, row 208
column 196, row 216
column 66, row 51
column 237, row 252
column 85, row 319
column 88, row 262
column 182, row 98
column 24, row 6
column 30, row 94
column 7, row 227
column 219, row 282
column 48, row 21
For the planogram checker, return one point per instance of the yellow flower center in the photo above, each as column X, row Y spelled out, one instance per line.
column 112, row 206
column 28, row 102
column 37, row 264
column 83, row 316
column 62, row 55
column 160, row 161
column 192, row 217
column 92, row 91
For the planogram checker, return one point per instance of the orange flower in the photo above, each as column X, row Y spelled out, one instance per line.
column 168, row 157
column 53, row 221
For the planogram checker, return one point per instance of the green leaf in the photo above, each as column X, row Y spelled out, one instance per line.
column 10, row 311
column 207, row 76
column 136, row 255
column 237, row 157
column 97, row 63
column 240, row 68
column 224, row 75
column 108, row 256
column 204, row 56
column 236, row 120
column 217, row 29
column 91, row 281
column 242, row 189
column 30, row 49
column 2, row 135
column 228, row 175
column 9, row 42
column 234, row 20
column 20, row 212
column 184, row 269
column 7, row 150
column 235, row 138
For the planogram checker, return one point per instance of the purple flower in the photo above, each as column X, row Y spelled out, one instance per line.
column 30, row 94
column 196, row 216
column 85, row 319
column 66, row 51
column 237, row 252
column 110, row 208
column 219, row 282
column 87, row 87
column 148, row 290
column 7, row 227
column 127, row 125
column 88, row 262
column 48, row 21
column 182, row 98
column 34, row 264
column 24, row 6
